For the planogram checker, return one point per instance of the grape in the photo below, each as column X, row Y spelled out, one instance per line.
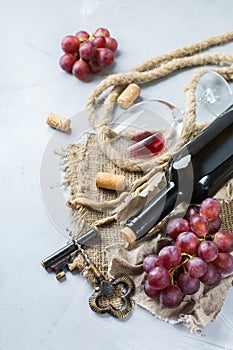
column 196, row 267
column 188, row 284
column 94, row 66
column 80, row 69
column 171, row 297
column 169, row 256
column 191, row 211
column 82, row 35
column 149, row 262
column 102, row 32
column 67, row 61
column 210, row 208
column 99, row 41
column 104, row 57
column 224, row 262
column 70, row 44
column 199, row 225
column 187, row 242
column 159, row 277
column 176, row 226
column 224, row 241
column 208, row 251
column 87, row 50
column 151, row 292
column 215, row 225
column 212, row 276
column 111, row 43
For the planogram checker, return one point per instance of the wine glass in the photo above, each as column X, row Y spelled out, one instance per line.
column 145, row 130
column 213, row 96
column 150, row 128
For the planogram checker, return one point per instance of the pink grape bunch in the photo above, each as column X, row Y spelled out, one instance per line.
column 85, row 53
column 199, row 253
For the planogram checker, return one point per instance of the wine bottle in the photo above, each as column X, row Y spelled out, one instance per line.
column 197, row 171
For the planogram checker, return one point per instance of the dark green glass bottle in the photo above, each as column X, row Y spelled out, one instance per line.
column 197, row 171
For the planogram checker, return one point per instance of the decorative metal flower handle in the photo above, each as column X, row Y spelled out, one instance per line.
column 113, row 297
column 107, row 291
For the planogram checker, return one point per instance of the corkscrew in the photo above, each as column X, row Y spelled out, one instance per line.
column 113, row 296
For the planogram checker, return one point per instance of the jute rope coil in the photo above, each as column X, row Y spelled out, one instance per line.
column 148, row 71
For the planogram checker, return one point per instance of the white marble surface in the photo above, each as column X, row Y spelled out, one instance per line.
column 37, row 312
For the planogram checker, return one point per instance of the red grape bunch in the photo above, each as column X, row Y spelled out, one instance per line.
column 86, row 53
column 199, row 253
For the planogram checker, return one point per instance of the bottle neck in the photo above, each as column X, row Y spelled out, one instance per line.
column 154, row 211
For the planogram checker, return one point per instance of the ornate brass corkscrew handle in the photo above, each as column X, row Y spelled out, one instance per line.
column 110, row 296
column 113, row 297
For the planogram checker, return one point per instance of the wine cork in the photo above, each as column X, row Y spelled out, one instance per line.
column 110, row 181
column 58, row 122
column 128, row 96
column 128, row 235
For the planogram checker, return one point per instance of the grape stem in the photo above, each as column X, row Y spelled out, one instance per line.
column 173, row 270
column 211, row 236
column 206, row 237
column 188, row 255
column 82, row 40
column 92, row 36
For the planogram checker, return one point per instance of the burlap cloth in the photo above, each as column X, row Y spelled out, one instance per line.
column 114, row 257
column 109, row 210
